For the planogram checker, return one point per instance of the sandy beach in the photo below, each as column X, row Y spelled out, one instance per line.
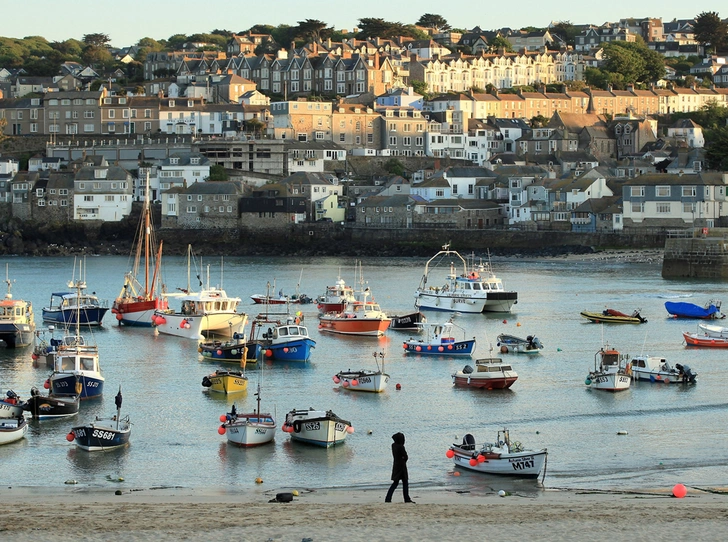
column 32, row 514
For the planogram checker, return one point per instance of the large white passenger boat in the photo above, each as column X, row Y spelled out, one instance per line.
column 467, row 288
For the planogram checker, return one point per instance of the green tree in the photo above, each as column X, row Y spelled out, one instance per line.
column 420, row 87
column 217, row 173
column 566, row 31
column 430, row 20
column 716, row 149
column 498, row 43
column 312, row 29
column 96, row 40
column 539, row 121
column 175, row 42
column 710, row 30
column 370, row 27
column 394, row 167
column 632, row 63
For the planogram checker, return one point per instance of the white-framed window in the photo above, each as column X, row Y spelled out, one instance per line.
column 41, row 203
column 663, row 208
column 199, row 197
column 191, row 208
column 688, row 208
column 689, row 191
column 112, row 114
column 88, row 127
column 108, row 198
column 64, row 203
column 230, row 209
column 392, row 140
column 638, row 207
column 319, row 135
column 88, row 198
column 662, row 191
column 637, row 191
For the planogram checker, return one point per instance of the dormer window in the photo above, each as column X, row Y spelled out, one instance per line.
column 174, row 160
column 190, row 103
column 100, row 174
column 627, row 129
column 171, row 103
column 122, row 101
column 194, row 160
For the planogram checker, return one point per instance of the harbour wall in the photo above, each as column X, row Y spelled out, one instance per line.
column 703, row 255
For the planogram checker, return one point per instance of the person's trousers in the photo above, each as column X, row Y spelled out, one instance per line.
column 405, row 490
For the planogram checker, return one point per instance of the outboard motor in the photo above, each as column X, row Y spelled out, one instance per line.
column 468, row 442
column 206, row 382
column 467, row 369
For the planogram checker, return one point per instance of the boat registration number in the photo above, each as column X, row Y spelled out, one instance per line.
column 103, row 435
column 260, row 431
column 365, row 380
column 601, row 379
column 461, row 347
column 340, row 426
column 522, row 463
column 312, row 426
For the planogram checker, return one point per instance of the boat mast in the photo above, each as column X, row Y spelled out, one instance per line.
column 7, row 281
column 189, row 254
column 147, row 234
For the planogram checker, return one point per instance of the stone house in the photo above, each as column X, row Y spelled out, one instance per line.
column 209, row 205
column 52, row 198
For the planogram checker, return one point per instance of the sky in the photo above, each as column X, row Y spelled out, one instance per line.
column 126, row 22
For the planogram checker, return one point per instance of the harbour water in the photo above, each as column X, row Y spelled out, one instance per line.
column 675, row 433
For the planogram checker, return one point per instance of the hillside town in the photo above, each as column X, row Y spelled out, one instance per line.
column 532, row 129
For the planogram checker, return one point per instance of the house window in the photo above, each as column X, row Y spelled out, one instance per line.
column 638, row 207
column 41, row 203
column 112, row 113
column 319, row 135
column 688, row 208
column 440, row 193
column 88, row 198
column 64, row 203
column 392, row 140
column 191, row 209
column 688, row 191
column 662, row 191
column 637, row 191
column 663, row 208
column 108, row 198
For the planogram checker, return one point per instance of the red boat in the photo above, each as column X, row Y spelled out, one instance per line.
column 699, row 339
column 137, row 302
column 336, row 297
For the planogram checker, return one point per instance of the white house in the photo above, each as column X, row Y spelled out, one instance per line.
column 102, row 193
column 183, row 169
column 688, row 131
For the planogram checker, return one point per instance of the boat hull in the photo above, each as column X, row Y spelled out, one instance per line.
column 656, row 376
column 483, row 382
column 102, row 435
column 17, row 335
column 694, row 339
column 48, row 407
column 527, row 464
column 365, row 381
column 249, row 432
column 88, row 316
column 192, row 327
column 65, row 384
column 354, row 326
column 494, row 302
column 226, row 382
column 231, row 352
column 298, row 350
column 137, row 313
column 407, row 322
column 317, row 427
column 12, row 429
column 10, row 410
column 716, row 332
column 691, row 310
column 450, row 349
column 610, row 381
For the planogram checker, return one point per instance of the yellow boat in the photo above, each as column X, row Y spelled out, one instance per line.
column 226, row 381
column 610, row 316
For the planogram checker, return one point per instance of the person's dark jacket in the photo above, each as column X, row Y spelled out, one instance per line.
column 399, row 467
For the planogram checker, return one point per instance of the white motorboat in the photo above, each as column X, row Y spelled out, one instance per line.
column 208, row 311
column 489, row 373
column 364, row 380
column 717, row 332
column 17, row 323
column 12, row 429
column 510, row 343
column 317, row 427
column 503, row 456
column 467, row 288
column 611, row 371
column 657, row 369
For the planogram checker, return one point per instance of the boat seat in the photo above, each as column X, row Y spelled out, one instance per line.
column 468, row 442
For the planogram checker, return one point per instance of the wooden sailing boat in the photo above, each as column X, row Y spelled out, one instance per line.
column 137, row 302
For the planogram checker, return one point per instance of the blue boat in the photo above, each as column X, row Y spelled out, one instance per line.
column 711, row 310
column 71, row 307
column 103, row 433
column 285, row 342
column 439, row 341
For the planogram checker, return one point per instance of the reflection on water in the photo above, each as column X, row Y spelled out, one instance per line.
column 175, row 420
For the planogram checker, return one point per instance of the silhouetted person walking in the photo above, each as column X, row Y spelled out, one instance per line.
column 399, row 468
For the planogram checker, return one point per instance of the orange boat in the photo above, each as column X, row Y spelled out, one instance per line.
column 699, row 339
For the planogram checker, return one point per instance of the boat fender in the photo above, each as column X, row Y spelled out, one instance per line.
column 206, row 382
column 297, row 426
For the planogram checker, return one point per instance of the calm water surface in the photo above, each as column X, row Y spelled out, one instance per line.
column 675, row 433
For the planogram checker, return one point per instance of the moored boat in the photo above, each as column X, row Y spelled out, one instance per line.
column 719, row 332
column 408, row 322
column 611, row 316
column 17, row 323
column 438, row 340
column 11, row 406
column 287, row 341
column 103, row 434
column 137, row 301
column 711, row 310
column 504, row 457
column 510, row 343
column 702, row 339
column 364, row 379
column 12, row 429
column 489, row 374
column 657, row 369
column 46, row 407
column 225, row 381
column 336, row 297
column 611, row 371
column 250, row 428
column 468, row 287
column 76, row 306
column 231, row 350
column 317, row 427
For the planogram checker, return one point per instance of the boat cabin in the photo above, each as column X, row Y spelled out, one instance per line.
column 287, row 332
column 15, row 311
column 193, row 307
column 365, row 310
column 72, row 362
